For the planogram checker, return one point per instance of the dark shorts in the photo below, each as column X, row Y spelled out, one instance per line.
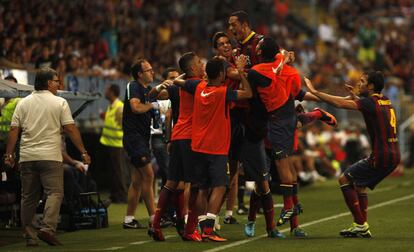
column 364, row 174
column 138, row 150
column 281, row 133
column 254, row 161
column 181, row 167
column 281, row 129
column 211, row 170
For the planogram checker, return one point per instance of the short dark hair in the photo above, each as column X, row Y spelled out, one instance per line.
column 167, row 71
column 137, row 67
column 214, row 67
column 44, row 75
column 269, row 48
column 185, row 61
column 217, row 36
column 11, row 78
column 114, row 88
column 242, row 16
column 376, row 78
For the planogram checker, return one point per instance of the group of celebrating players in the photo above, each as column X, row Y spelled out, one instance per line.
column 243, row 113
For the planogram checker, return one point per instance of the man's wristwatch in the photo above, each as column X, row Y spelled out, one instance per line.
column 8, row 156
column 84, row 153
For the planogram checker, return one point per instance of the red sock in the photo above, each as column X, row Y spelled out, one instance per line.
column 294, row 222
column 269, row 211
column 165, row 196
column 254, row 206
column 306, row 118
column 287, row 190
column 192, row 219
column 363, row 205
column 351, row 199
column 179, row 204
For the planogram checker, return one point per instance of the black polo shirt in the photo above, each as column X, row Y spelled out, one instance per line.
column 136, row 124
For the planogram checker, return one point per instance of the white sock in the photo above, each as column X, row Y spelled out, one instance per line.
column 129, row 218
column 211, row 216
column 202, row 218
column 152, row 218
column 229, row 213
column 217, row 225
column 186, row 218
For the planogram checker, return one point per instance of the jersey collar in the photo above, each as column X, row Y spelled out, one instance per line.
column 248, row 37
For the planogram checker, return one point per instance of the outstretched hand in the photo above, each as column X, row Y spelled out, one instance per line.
column 309, row 85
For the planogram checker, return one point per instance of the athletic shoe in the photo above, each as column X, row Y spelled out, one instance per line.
column 214, row 236
column 327, row 117
column 250, row 229
column 230, row 220
column 134, row 224
column 156, row 234
column 48, row 238
column 297, row 209
column 275, row 234
column 285, row 216
column 298, row 232
column 242, row 210
column 192, row 237
column 357, row 230
column 166, row 222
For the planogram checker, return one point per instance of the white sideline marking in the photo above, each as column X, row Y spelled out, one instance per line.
column 143, row 242
column 132, row 243
column 109, row 249
column 233, row 244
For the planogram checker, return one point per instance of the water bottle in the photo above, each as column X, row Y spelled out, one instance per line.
column 156, row 119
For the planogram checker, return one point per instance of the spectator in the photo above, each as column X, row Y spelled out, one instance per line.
column 111, row 139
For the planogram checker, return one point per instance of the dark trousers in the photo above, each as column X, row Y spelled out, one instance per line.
column 117, row 163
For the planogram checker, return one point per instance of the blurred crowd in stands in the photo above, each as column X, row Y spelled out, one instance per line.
column 102, row 38
column 324, row 152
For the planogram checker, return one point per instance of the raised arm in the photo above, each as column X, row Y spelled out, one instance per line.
column 179, row 81
column 337, row 101
column 311, row 97
column 158, row 92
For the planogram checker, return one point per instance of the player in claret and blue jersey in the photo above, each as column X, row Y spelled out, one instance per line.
column 381, row 124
